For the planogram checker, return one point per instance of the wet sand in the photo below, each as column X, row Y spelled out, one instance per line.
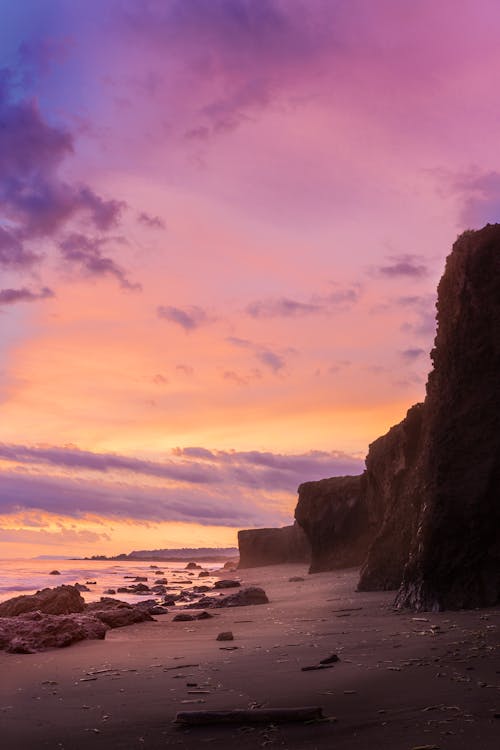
column 404, row 680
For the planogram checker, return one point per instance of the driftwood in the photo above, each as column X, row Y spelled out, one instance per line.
column 250, row 715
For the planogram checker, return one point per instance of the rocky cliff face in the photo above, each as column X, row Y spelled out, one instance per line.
column 455, row 555
column 427, row 509
column 392, row 500
column 273, row 546
column 334, row 517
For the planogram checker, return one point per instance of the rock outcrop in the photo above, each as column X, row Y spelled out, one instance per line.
column 35, row 631
column 455, row 556
column 430, row 495
column 333, row 515
column 259, row 547
column 392, row 502
column 61, row 600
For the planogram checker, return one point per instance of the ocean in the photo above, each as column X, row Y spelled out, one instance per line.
column 28, row 576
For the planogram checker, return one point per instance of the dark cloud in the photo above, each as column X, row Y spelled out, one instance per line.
column 154, row 222
column 410, row 355
column 35, row 202
column 13, row 296
column 13, row 255
column 239, row 55
column 192, row 484
column 86, row 253
column 411, row 266
column 188, row 318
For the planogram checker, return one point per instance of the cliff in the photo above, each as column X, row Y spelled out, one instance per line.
column 272, row 546
column 426, row 511
column 390, row 494
column 455, row 554
column 334, row 517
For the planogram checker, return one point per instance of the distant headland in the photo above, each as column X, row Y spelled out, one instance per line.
column 184, row 554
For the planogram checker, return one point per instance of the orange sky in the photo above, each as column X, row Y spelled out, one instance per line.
column 221, row 230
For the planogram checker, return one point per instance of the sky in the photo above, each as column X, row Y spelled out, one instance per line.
column 222, row 224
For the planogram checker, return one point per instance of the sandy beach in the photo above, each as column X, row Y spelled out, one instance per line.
column 404, row 680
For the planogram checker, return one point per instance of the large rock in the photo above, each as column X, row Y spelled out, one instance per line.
column 258, row 547
column 61, row 600
column 390, row 495
column 334, row 517
column 35, row 631
column 117, row 614
column 455, row 556
column 243, row 598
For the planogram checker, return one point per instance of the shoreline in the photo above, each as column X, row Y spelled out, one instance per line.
column 403, row 680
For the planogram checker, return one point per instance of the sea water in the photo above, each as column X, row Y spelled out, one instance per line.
column 28, row 576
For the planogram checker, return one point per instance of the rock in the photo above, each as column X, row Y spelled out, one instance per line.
column 110, row 591
column 242, row 598
column 203, row 574
column 169, row 601
column 295, row 579
column 54, row 573
column 106, row 602
column 162, row 581
column 334, row 516
column 61, row 600
column 203, row 616
column 119, row 617
column 192, row 566
column 426, row 508
column 159, row 573
column 136, row 579
column 36, row 631
column 201, row 589
column 226, row 584
column 389, row 483
column 182, row 617
column 81, row 587
column 455, row 552
column 230, row 565
column 91, row 583
column 225, row 636
column 272, row 546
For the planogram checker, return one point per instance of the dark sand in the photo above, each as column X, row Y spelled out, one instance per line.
column 402, row 682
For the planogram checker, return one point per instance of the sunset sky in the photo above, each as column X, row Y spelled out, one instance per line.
column 222, row 223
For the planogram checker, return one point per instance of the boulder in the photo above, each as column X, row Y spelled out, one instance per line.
column 61, row 600
column 36, row 631
column 192, row 566
column 242, row 598
column 226, row 584
column 334, row 516
column 259, row 547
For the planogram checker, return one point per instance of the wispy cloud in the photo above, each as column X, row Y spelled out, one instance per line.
column 13, row 296
column 319, row 304
column 410, row 355
column 153, row 222
column 406, row 265
column 86, row 252
column 193, row 483
column 188, row 318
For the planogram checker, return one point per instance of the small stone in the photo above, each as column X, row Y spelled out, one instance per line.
column 225, row 636
column 183, row 617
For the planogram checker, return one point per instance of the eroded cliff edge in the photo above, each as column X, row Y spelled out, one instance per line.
column 428, row 504
column 273, row 546
column 455, row 555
